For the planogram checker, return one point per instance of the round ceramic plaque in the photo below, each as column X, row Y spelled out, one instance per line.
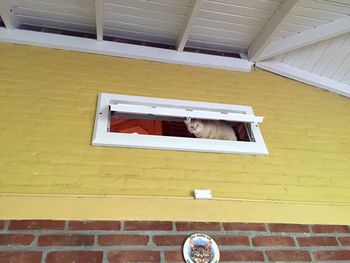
column 201, row 248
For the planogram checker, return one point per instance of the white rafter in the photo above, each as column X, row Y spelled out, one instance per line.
column 7, row 14
column 307, row 37
column 122, row 50
column 99, row 19
column 188, row 25
column 270, row 29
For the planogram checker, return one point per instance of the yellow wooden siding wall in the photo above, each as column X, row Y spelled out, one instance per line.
column 48, row 102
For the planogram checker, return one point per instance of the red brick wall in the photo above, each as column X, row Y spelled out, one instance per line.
column 115, row 241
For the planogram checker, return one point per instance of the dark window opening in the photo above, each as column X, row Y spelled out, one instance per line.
column 168, row 126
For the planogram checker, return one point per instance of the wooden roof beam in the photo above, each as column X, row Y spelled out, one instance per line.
column 188, row 25
column 7, row 11
column 307, row 37
column 270, row 30
column 99, row 19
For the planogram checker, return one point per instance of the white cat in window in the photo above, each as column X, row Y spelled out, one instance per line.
column 210, row 129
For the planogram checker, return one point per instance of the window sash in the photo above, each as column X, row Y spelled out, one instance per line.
column 185, row 112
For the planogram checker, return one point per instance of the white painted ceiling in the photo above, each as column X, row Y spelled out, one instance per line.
column 307, row 40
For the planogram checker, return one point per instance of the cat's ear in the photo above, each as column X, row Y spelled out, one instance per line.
column 188, row 120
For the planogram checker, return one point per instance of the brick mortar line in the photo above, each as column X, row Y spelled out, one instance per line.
column 174, row 232
column 163, row 248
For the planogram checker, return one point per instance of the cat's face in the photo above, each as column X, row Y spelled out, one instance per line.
column 194, row 126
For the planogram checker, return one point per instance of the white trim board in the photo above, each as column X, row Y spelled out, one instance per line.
column 102, row 136
column 305, row 76
column 86, row 45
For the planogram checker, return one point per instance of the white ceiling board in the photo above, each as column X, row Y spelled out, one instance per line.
column 150, row 21
column 51, row 15
column 68, row 15
column 346, row 79
column 47, row 23
column 329, row 58
column 342, row 69
column 235, row 23
column 316, row 55
column 134, row 35
column 302, row 57
column 328, row 6
column 305, row 76
column 222, row 25
column 215, row 46
column 157, row 21
column 233, row 35
column 85, row 9
column 143, row 13
column 87, row 4
column 236, row 9
column 313, row 13
column 256, row 4
column 156, row 6
column 338, row 58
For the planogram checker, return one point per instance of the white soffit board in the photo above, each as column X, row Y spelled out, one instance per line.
column 312, row 13
column 78, row 15
column 230, row 25
column 305, row 76
column 329, row 58
column 158, row 21
column 122, row 50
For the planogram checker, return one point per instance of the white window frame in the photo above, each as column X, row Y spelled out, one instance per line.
column 239, row 113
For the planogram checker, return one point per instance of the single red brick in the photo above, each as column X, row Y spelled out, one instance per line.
column 317, row 241
column 16, row 239
column 74, row 256
column 291, row 228
column 241, row 255
column 2, row 224
column 20, row 257
column 288, row 255
column 134, row 256
column 174, row 256
column 332, row 255
column 169, row 240
column 148, row 225
column 65, row 240
column 231, row 240
column 94, row 225
column 244, row 227
column 36, row 225
column 330, row 229
column 197, row 226
column 123, row 240
column 344, row 241
column 273, row 241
